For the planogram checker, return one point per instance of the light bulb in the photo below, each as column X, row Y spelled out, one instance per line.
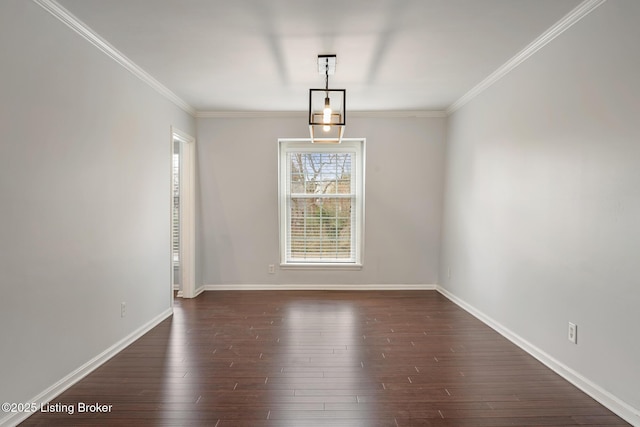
column 326, row 113
column 326, row 128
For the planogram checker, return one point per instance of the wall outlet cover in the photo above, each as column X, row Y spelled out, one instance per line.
column 573, row 333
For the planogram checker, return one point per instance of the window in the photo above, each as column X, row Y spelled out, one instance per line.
column 321, row 190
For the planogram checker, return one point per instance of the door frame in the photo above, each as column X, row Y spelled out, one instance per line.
column 187, row 213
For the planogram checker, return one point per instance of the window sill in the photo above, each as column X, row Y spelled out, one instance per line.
column 320, row 266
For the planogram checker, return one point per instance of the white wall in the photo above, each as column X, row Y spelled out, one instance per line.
column 84, row 184
column 542, row 200
column 238, row 163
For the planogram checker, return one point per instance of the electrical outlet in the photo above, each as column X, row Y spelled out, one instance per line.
column 272, row 269
column 573, row 333
column 123, row 309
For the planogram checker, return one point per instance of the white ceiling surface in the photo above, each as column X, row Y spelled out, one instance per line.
column 261, row 55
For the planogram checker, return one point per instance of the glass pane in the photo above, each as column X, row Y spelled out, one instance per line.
column 320, row 173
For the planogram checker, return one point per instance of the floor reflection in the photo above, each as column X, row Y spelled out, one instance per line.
column 176, row 391
column 322, row 364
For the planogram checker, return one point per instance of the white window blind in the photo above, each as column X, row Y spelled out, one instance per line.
column 175, row 223
column 321, row 203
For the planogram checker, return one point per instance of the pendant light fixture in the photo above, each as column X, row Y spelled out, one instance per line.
column 327, row 113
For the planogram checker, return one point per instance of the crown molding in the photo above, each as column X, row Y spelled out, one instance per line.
column 249, row 114
column 87, row 33
column 582, row 10
column 299, row 114
column 397, row 114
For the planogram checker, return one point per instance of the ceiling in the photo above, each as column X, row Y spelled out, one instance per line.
column 261, row 55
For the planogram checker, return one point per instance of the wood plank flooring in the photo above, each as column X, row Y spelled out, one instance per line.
column 325, row 358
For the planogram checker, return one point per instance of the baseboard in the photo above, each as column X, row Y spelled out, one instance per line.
column 197, row 292
column 617, row 406
column 319, row 287
column 56, row 389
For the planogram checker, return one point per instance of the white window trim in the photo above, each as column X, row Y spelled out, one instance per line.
column 353, row 145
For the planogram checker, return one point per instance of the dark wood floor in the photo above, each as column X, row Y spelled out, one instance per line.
column 314, row 358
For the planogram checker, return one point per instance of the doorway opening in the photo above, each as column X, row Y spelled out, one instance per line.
column 182, row 258
column 175, row 219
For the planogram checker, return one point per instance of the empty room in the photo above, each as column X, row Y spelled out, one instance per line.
column 342, row 213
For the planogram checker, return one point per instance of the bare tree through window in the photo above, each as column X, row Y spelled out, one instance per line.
column 322, row 196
